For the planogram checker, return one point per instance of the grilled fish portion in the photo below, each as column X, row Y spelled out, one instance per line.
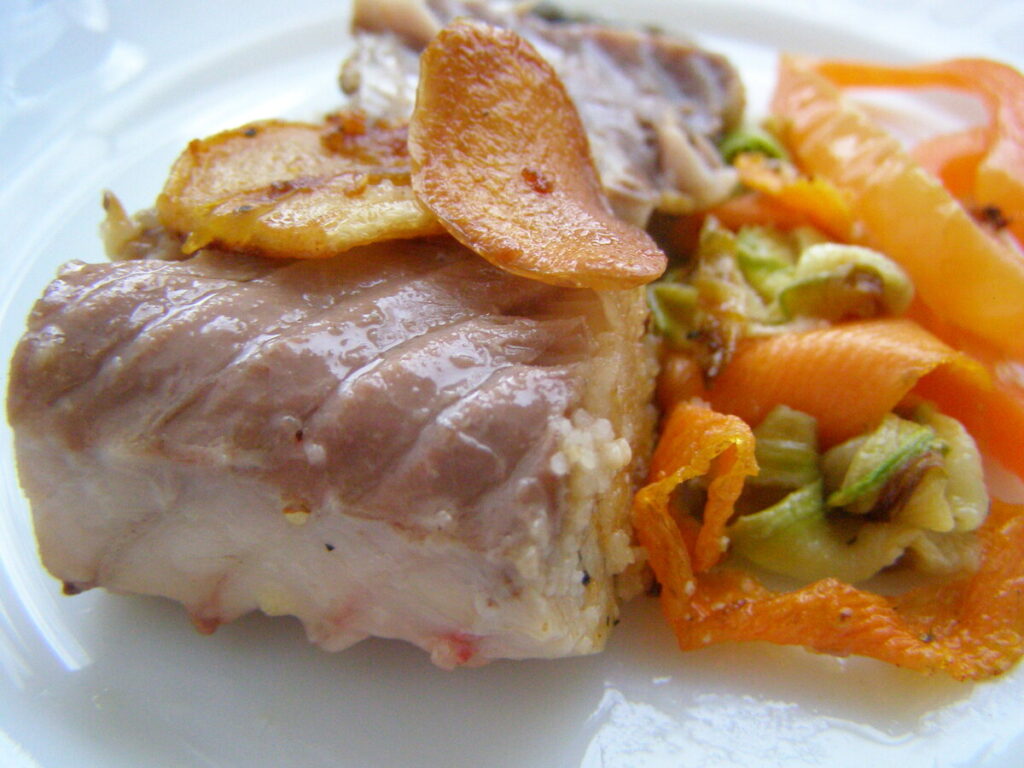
column 401, row 442
column 652, row 105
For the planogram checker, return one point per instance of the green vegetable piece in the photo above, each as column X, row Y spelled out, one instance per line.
column 804, row 237
column 673, row 309
column 715, row 240
column 796, row 538
column 770, row 538
column 926, row 472
column 749, row 139
column 836, row 460
column 948, row 503
column 928, row 506
column 724, row 291
column 965, row 478
column 834, row 281
column 885, row 451
column 855, row 294
column 945, row 553
column 766, row 258
column 786, row 447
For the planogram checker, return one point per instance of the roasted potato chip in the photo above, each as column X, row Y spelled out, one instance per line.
column 499, row 154
column 295, row 189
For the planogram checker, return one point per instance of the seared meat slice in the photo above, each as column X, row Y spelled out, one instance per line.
column 652, row 105
column 402, row 442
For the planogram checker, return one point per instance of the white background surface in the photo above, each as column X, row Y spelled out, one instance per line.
column 104, row 95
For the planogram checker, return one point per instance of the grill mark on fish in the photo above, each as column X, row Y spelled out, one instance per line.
column 413, row 480
column 466, row 502
column 342, row 320
column 525, row 342
column 255, row 346
column 59, row 309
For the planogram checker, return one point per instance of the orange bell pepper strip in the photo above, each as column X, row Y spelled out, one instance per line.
column 996, row 151
column 996, row 418
column 962, row 272
column 680, row 378
column 819, row 202
column 970, row 629
column 849, row 376
column 754, row 208
column 954, row 159
column 695, row 442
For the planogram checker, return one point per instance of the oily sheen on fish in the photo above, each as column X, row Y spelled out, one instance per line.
column 401, row 442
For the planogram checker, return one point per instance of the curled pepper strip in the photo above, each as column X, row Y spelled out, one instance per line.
column 878, row 362
column 759, row 209
column 972, row 288
column 970, row 283
column 790, row 192
column 971, row 629
column 954, row 159
column 695, row 442
column 985, row 164
column 962, row 271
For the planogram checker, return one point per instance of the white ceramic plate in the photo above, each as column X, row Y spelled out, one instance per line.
column 104, row 95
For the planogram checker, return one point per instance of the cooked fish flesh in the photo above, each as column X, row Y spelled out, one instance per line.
column 652, row 105
column 401, row 442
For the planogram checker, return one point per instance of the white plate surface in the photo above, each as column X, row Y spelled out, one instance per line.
column 103, row 94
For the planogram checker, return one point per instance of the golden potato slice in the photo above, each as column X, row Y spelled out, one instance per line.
column 295, row 189
column 499, row 154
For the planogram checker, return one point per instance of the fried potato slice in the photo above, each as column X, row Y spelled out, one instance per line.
column 295, row 190
column 499, row 154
